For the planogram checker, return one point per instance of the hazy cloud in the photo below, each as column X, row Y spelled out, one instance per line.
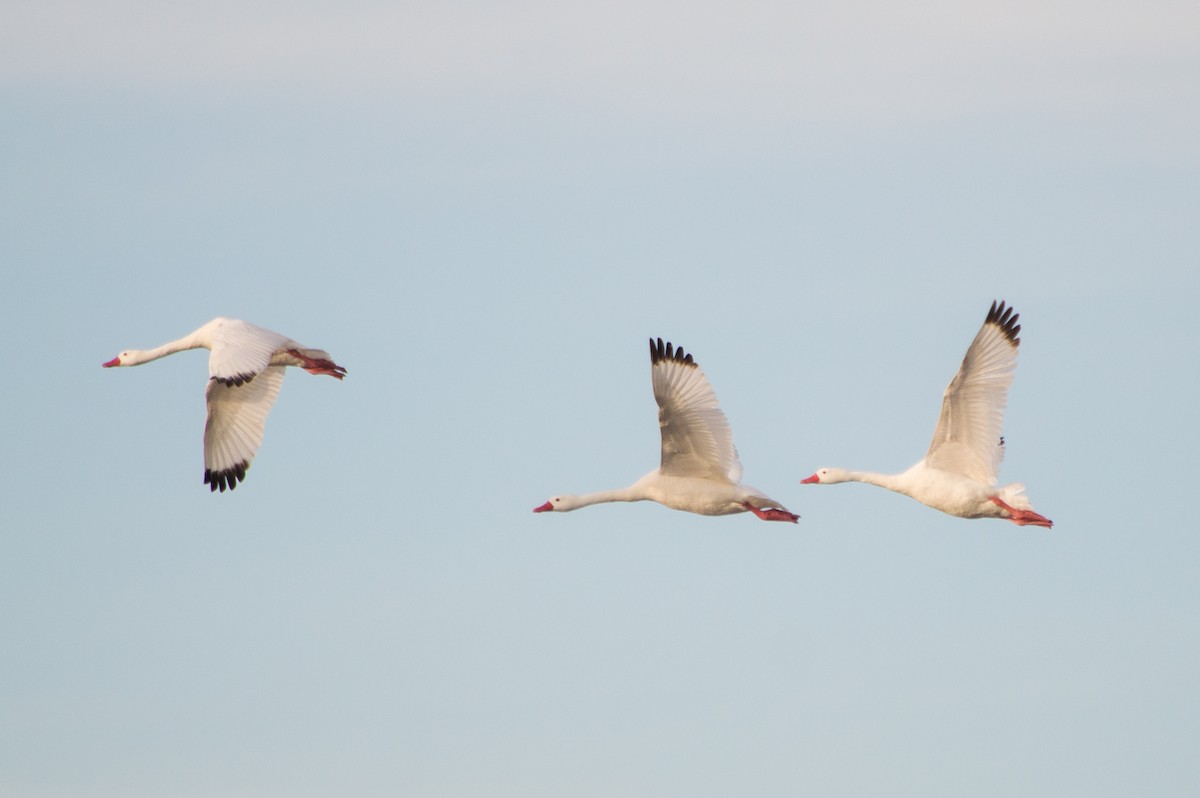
column 846, row 57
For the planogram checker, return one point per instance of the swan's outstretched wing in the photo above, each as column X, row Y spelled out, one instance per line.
column 967, row 439
column 237, row 416
column 240, row 350
column 696, row 439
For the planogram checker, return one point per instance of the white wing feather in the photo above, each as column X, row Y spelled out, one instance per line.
column 696, row 438
column 240, row 349
column 967, row 439
column 237, row 416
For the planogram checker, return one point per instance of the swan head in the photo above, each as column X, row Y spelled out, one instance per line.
column 827, row 476
column 130, row 357
column 559, row 504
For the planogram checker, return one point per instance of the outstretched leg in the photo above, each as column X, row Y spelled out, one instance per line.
column 771, row 514
column 318, row 365
column 1023, row 517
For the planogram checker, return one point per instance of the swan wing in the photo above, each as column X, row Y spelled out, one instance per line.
column 696, row 438
column 237, row 416
column 239, row 350
column 967, row 439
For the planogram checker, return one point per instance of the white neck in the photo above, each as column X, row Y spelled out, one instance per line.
column 893, row 482
column 135, row 357
column 600, row 497
column 889, row 481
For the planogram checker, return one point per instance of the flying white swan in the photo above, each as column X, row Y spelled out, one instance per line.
column 700, row 471
column 245, row 371
column 958, row 473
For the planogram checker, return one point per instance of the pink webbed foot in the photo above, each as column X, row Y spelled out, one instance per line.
column 771, row 514
column 1030, row 518
column 1023, row 517
column 319, row 365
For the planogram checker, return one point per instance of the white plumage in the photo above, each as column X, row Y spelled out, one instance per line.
column 245, row 372
column 699, row 471
column 959, row 472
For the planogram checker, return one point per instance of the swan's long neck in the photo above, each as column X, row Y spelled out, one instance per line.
column 600, row 497
column 139, row 356
column 893, row 482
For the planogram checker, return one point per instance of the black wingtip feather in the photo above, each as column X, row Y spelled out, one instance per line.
column 228, row 478
column 660, row 351
column 1004, row 318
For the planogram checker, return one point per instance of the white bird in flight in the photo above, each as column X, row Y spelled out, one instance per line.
column 958, row 473
column 245, row 371
column 700, row 471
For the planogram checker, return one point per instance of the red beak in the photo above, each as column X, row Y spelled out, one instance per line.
column 544, row 508
column 810, row 480
column 116, row 361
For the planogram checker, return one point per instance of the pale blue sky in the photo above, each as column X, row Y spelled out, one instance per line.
column 483, row 212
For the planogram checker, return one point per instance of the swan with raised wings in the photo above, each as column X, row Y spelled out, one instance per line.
column 699, row 470
column 245, row 372
column 958, row 473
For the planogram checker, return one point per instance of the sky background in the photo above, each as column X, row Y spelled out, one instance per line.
column 482, row 211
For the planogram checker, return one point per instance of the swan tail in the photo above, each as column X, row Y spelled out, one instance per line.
column 1014, row 496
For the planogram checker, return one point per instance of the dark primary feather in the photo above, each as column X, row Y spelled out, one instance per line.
column 1006, row 320
column 660, row 351
column 226, row 478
